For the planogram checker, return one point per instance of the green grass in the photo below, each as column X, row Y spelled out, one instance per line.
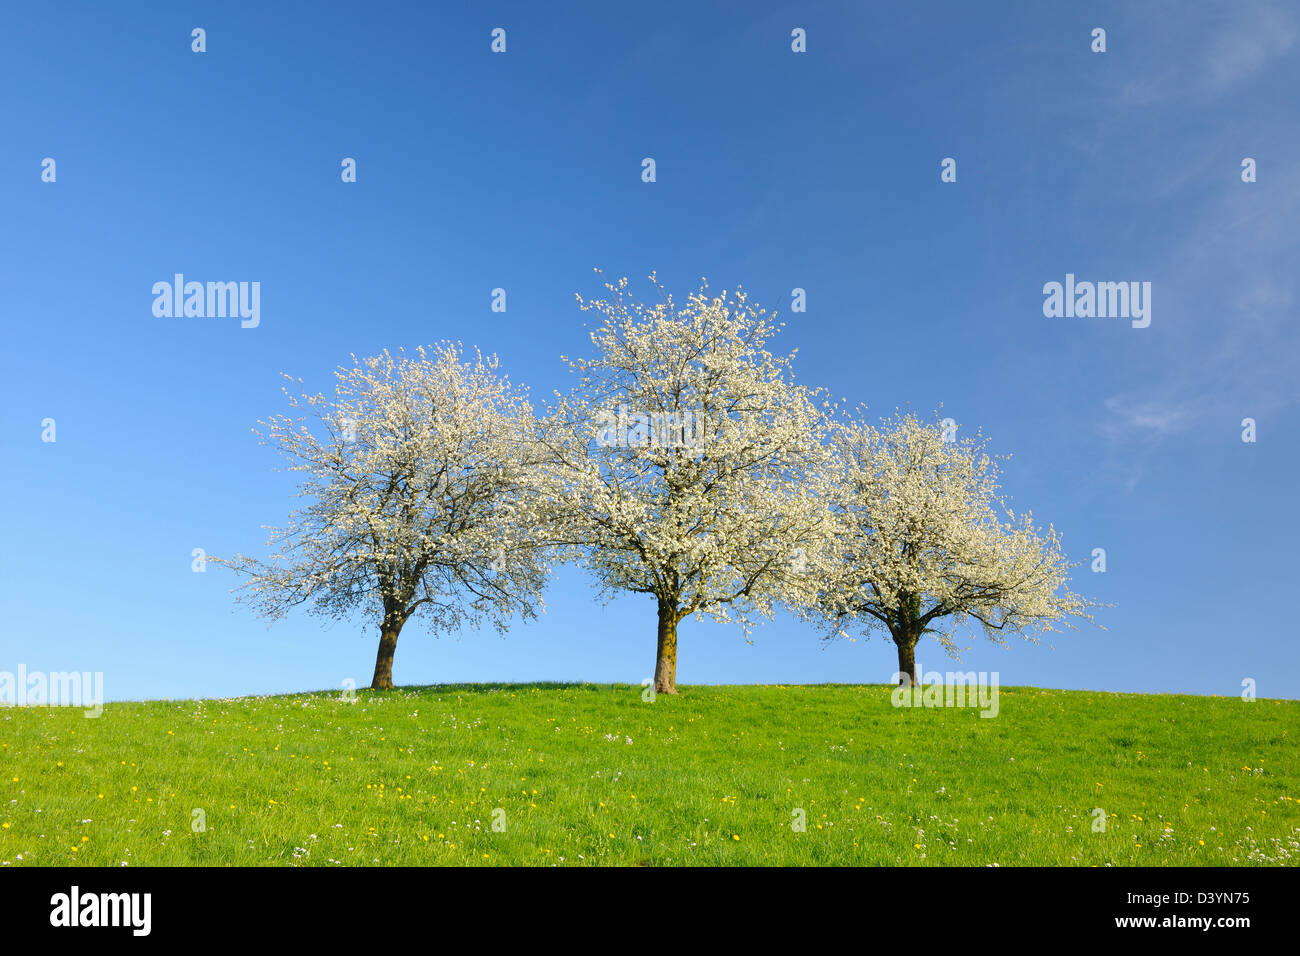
column 591, row 774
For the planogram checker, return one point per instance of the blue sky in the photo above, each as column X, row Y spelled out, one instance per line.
column 775, row 170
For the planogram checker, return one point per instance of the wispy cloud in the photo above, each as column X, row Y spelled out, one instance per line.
column 1204, row 57
column 1224, row 345
column 1138, row 417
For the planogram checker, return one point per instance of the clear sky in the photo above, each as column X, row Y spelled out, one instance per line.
column 776, row 170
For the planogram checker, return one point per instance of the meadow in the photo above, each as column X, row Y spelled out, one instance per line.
column 587, row 774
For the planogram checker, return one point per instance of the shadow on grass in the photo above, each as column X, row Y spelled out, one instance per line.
column 489, row 687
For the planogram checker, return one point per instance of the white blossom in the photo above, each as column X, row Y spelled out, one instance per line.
column 711, row 526
column 416, row 499
column 924, row 544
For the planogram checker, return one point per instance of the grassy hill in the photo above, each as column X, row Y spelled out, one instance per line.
column 591, row 774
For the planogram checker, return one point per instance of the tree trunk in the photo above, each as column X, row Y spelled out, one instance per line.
column 383, row 678
column 666, row 652
column 906, row 659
